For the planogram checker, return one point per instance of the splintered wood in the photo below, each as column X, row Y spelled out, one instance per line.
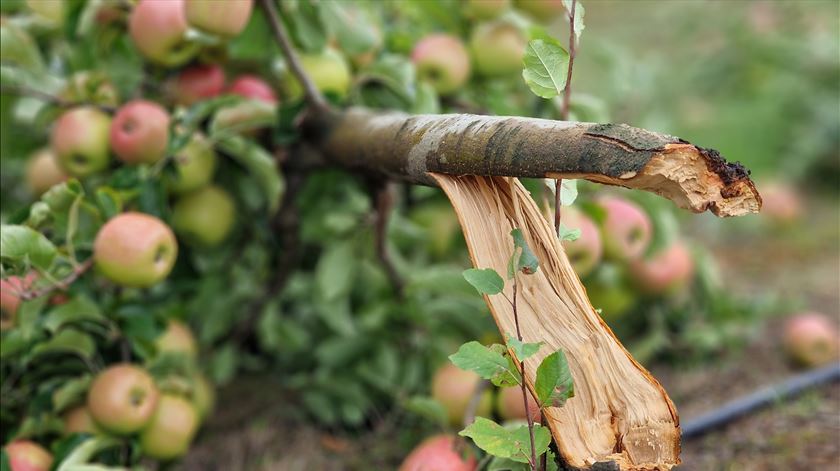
column 620, row 412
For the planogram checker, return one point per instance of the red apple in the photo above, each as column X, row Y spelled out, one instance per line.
column 158, row 29
column 10, row 288
column 177, row 338
column 667, row 271
column 626, row 230
column 497, row 48
column 585, row 252
column 781, row 203
column 251, row 86
column 510, row 405
column 442, row 61
column 79, row 420
column 224, row 18
column 80, row 141
column 140, row 132
column 135, row 249
column 454, row 388
column 438, row 453
column 26, row 455
column 122, row 399
column 199, row 82
column 811, row 339
column 43, row 172
column 170, row 431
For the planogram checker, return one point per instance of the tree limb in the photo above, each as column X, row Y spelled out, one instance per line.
column 406, row 147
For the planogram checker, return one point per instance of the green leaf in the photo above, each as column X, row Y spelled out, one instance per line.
column 428, row 408
column 487, row 362
column 521, row 349
column 109, row 201
column 579, row 13
column 387, row 83
column 22, row 245
column 485, row 281
column 305, row 23
column 260, row 164
column 83, row 453
column 523, row 259
column 350, row 27
column 78, row 309
column 554, row 382
column 568, row 190
column 68, row 341
column 567, row 233
column 71, row 392
column 546, row 66
column 510, row 443
column 334, row 272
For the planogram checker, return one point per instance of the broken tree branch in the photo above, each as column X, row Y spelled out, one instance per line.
column 406, row 147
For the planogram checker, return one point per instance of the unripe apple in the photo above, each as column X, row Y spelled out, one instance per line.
column 43, row 172
column 510, row 406
column 329, row 72
column 251, row 86
column 140, row 132
column 780, row 203
column 199, row 82
column 203, row 395
column 585, row 252
column 194, row 166
column 10, row 289
column 90, row 87
column 79, row 420
column 177, row 338
column 811, row 339
column 485, row 9
column 135, row 249
column 667, row 271
column 205, row 216
column 626, row 229
column 26, row 455
column 80, row 141
column 171, row 430
column 454, row 388
column 158, row 29
column 227, row 18
column 497, row 48
column 541, row 10
column 51, row 11
column 122, row 398
column 608, row 291
column 438, row 453
column 442, row 61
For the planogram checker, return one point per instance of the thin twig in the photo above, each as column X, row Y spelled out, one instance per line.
column 558, row 204
column 19, row 90
column 311, row 92
column 384, row 205
column 567, row 93
column 533, row 459
column 62, row 284
column 475, row 400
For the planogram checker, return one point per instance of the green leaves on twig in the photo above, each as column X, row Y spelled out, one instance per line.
column 554, row 382
column 546, row 65
column 513, row 443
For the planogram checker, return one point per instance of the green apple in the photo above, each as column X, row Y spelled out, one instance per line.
column 442, row 61
column 43, row 172
column 135, row 249
column 159, row 31
column 80, row 141
column 26, row 455
column 177, row 338
column 224, row 18
column 79, row 420
column 10, row 288
column 205, row 216
column 140, row 132
column 329, row 72
column 438, row 453
column 541, row 10
column 171, row 430
column 93, row 87
column 203, row 395
column 454, row 388
column 50, row 11
column 18, row 48
column 195, row 165
column 510, row 406
column 497, row 48
column 122, row 399
column 485, row 9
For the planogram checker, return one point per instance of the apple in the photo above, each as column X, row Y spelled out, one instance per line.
column 158, row 29
column 195, row 165
column 454, row 388
column 608, row 291
column 510, row 406
column 199, row 82
column 140, row 132
column 251, row 86
column 203, row 395
column 227, row 18
column 135, row 249
column 497, row 48
column 80, row 141
column 9, row 300
column 442, row 61
column 485, row 9
column 177, row 338
column 171, row 430
column 542, row 10
column 670, row 270
column 90, row 87
column 26, row 455
column 438, row 453
column 79, row 420
column 626, row 229
column 122, row 399
column 811, row 339
column 43, row 172
column 204, row 217
column 51, row 11
column 780, row 203
column 585, row 252
column 329, row 72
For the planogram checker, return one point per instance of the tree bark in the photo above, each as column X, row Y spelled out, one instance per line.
column 405, row 147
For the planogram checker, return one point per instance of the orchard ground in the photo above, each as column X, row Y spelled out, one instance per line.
column 798, row 434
